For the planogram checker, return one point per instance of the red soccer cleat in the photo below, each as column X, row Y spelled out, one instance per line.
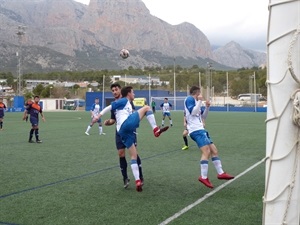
column 225, row 176
column 157, row 130
column 138, row 185
column 206, row 182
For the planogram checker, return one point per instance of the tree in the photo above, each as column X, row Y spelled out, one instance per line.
column 38, row 89
column 27, row 95
column 75, row 88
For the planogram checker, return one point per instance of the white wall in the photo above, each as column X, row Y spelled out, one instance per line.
column 52, row 103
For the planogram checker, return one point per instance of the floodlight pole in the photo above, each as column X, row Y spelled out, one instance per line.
column 149, row 89
column 254, row 87
column 174, row 86
column 20, row 33
column 200, row 80
column 50, row 88
column 227, row 90
column 103, row 91
column 208, row 81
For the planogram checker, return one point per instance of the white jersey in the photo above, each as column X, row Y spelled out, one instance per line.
column 122, row 109
column 95, row 109
column 166, row 106
column 193, row 114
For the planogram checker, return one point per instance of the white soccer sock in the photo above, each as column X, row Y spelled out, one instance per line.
column 204, row 168
column 218, row 165
column 100, row 130
column 171, row 122
column 151, row 120
column 135, row 169
column 162, row 122
column 88, row 128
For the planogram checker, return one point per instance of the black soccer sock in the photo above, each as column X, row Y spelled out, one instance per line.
column 185, row 141
column 37, row 134
column 139, row 162
column 123, row 167
column 1, row 124
column 31, row 134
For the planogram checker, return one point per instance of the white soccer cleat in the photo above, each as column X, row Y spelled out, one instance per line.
column 87, row 133
column 102, row 133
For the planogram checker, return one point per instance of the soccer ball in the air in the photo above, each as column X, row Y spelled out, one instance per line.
column 124, row 53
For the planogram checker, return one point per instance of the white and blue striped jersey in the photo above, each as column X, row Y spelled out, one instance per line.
column 123, row 109
column 95, row 109
column 193, row 116
column 166, row 106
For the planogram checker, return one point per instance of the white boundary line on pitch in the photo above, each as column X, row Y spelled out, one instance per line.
column 184, row 210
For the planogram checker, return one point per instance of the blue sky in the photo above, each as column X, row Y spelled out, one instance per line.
column 222, row 21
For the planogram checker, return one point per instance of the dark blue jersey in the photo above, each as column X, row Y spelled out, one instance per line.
column 34, row 110
column 2, row 109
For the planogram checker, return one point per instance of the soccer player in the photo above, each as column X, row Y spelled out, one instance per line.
column 185, row 134
column 95, row 110
column 197, row 132
column 166, row 107
column 116, row 91
column 2, row 109
column 127, row 122
column 153, row 105
column 34, row 110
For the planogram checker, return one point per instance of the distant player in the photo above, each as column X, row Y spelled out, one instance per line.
column 192, row 105
column 166, row 107
column 34, row 110
column 2, row 109
column 153, row 105
column 95, row 110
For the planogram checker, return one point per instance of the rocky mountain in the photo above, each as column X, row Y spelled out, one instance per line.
column 67, row 35
column 233, row 55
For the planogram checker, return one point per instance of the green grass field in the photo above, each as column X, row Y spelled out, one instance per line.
column 74, row 179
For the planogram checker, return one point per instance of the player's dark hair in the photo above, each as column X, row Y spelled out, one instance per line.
column 194, row 89
column 115, row 85
column 126, row 90
column 166, row 98
column 96, row 98
column 36, row 97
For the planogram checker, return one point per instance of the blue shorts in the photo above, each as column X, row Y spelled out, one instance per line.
column 119, row 142
column 201, row 137
column 168, row 114
column 128, row 129
column 34, row 121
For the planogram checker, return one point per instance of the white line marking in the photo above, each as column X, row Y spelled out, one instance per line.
column 184, row 210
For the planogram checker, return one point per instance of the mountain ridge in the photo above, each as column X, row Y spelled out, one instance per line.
column 90, row 36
